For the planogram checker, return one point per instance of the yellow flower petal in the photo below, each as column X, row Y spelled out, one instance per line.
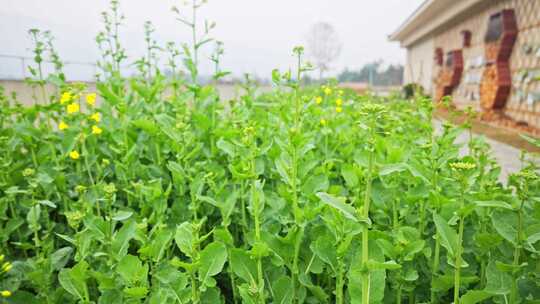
column 95, row 117
column 91, row 99
column 72, row 108
column 327, row 91
column 5, row 293
column 74, row 154
column 96, row 130
column 65, row 98
column 63, row 126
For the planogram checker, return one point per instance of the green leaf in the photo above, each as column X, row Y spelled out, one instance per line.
column 132, row 270
column 475, row 296
column 412, row 248
column 283, row 169
column 226, row 147
column 498, row 282
column 283, row 290
column 60, row 257
column 387, row 248
column 146, row 125
column 338, row 203
column 392, row 168
column 212, row 259
column 505, row 223
column 317, row 291
column 33, row 217
column 350, row 176
column 159, row 244
column 325, row 250
column 443, row 283
column 493, row 204
column 390, row 265
column 243, row 265
column 47, row 203
column 121, row 240
column 316, row 183
column 166, row 125
column 74, row 280
column 136, row 292
column 211, row 295
column 184, row 238
column 122, row 216
column 447, row 236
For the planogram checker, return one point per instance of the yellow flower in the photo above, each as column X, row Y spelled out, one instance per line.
column 66, row 97
column 6, row 267
column 95, row 117
column 96, row 130
column 91, row 99
column 339, row 109
column 339, row 102
column 5, row 293
column 62, row 126
column 318, row 100
column 72, row 108
column 327, row 91
column 74, row 155
column 323, row 122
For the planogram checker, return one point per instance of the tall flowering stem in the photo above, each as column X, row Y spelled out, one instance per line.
column 372, row 113
column 461, row 169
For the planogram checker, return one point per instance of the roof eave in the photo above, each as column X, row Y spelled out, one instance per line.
column 429, row 17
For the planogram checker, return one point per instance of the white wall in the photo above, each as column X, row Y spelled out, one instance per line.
column 419, row 66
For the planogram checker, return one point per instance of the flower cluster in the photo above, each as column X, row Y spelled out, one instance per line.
column 462, row 166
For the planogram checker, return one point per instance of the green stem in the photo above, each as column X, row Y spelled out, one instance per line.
column 339, row 283
column 517, row 252
column 243, row 211
column 435, row 266
column 294, row 186
column 398, row 294
column 458, row 261
column 194, row 289
column 233, row 285
column 260, row 279
column 422, row 221
column 411, row 297
column 365, row 231
column 395, row 214
column 86, row 164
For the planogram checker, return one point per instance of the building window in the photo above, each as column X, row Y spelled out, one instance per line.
column 467, row 35
column 495, row 28
column 449, row 59
column 439, row 56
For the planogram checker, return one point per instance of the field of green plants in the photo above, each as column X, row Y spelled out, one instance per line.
column 152, row 189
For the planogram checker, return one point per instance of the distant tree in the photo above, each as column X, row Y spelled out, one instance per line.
column 323, row 45
column 391, row 75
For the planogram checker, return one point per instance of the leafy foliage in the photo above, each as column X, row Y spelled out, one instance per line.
column 300, row 195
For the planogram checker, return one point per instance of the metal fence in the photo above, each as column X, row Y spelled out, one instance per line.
column 13, row 67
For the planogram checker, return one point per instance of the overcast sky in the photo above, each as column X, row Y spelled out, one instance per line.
column 258, row 34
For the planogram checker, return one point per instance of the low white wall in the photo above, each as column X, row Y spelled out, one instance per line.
column 419, row 66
